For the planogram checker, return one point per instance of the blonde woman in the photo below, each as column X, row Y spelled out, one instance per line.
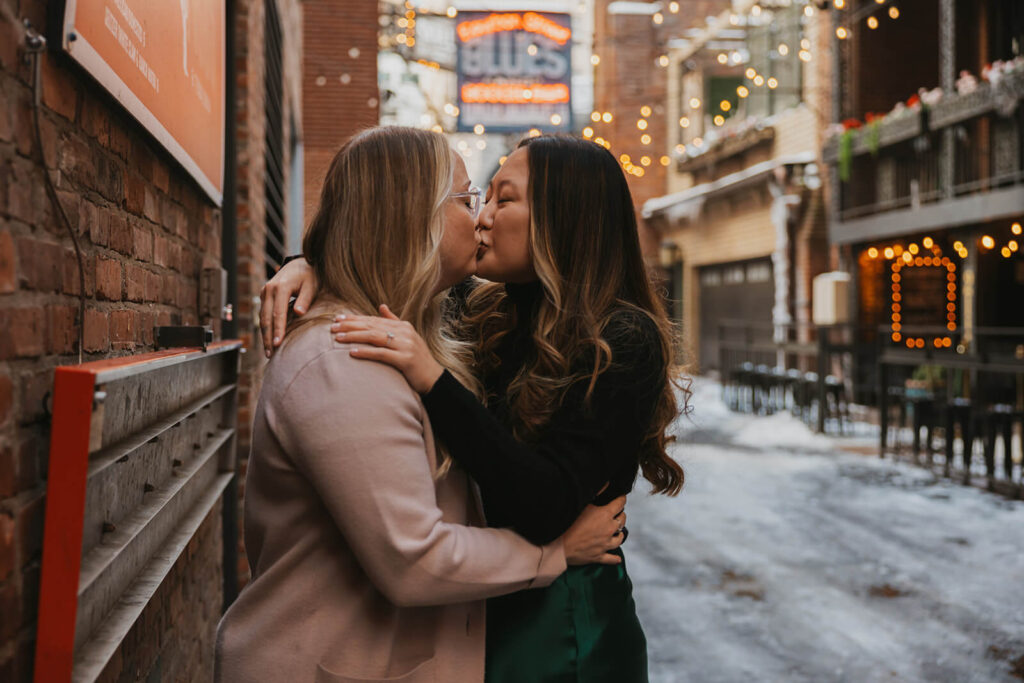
column 368, row 560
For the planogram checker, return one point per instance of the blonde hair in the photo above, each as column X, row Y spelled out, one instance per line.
column 376, row 236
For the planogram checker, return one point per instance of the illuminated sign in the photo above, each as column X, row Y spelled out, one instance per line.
column 163, row 60
column 514, row 71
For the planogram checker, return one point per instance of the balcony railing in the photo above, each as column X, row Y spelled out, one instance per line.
column 963, row 144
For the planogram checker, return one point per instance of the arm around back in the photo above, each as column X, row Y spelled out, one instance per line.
column 356, row 431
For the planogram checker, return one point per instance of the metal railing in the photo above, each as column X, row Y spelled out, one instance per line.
column 972, row 399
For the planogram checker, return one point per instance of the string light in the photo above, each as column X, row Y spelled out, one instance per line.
column 894, row 12
column 839, row 4
column 750, row 73
column 663, row 60
column 595, row 60
column 1015, row 228
column 642, row 124
column 842, row 33
column 988, row 242
column 723, row 58
column 665, row 161
column 452, row 12
column 725, row 105
column 645, row 138
column 645, row 161
column 759, row 80
column 478, row 129
column 719, row 120
column 684, row 122
column 595, row 116
column 742, row 91
column 872, row 22
column 556, row 119
column 694, row 103
column 588, row 132
column 773, row 83
column 783, row 49
column 607, row 117
column 673, row 7
column 658, row 18
column 645, row 110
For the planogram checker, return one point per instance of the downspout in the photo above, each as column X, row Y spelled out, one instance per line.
column 229, row 261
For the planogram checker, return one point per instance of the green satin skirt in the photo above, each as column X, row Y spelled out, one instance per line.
column 582, row 628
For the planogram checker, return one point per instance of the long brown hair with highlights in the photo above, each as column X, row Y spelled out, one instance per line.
column 586, row 251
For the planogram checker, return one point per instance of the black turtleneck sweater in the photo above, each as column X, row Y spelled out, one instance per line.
column 539, row 487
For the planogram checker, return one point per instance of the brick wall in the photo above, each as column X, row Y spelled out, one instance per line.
column 146, row 231
column 339, row 83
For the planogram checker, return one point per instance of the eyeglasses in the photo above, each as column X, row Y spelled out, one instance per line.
column 474, row 197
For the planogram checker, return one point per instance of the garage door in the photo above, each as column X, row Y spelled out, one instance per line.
column 740, row 291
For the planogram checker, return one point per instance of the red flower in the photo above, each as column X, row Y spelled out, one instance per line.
column 851, row 124
column 914, row 100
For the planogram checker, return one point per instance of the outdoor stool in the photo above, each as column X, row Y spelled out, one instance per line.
column 897, row 395
column 835, row 401
column 921, row 407
column 742, row 378
column 808, row 391
column 762, row 389
column 960, row 412
column 793, row 389
column 999, row 420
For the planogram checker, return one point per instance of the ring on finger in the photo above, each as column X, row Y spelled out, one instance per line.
column 390, row 336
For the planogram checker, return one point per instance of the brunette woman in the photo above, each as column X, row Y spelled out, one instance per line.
column 576, row 358
column 366, row 564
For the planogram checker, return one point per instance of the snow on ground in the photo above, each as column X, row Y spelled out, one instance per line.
column 787, row 559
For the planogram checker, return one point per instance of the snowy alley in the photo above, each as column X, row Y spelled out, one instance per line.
column 788, row 558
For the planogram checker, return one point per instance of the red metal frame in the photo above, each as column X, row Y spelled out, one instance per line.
column 73, row 395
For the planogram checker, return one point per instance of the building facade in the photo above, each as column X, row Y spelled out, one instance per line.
column 742, row 226
column 927, row 192
column 141, row 233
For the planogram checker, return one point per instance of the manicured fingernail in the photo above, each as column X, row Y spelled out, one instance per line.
column 277, row 340
column 268, row 354
column 300, row 309
column 339, row 317
column 335, row 327
column 354, row 352
column 339, row 336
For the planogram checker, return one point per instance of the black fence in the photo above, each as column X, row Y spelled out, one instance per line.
column 958, row 408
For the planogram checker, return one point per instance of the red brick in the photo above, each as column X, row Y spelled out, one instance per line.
column 6, row 397
column 161, row 251
column 154, row 285
column 24, row 127
column 7, row 472
column 88, row 216
column 34, row 392
column 120, row 233
column 95, row 120
column 142, row 242
column 135, row 282
column 6, row 546
column 32, row 459
column 134, row 194
column 72, row 281
column 10, row 607
column 59, row 90
column 108, row 279
column 151, row 204
column 8, row 275
column 6, row 116
column 28, row 530
column 21, row 190
column 146, row 323
column 23, row 332
column 122, row 326
column 96, row 337
column 41, row 264
column 161, row 178
column 77, row 160
column 63, row 332
column 50, row 135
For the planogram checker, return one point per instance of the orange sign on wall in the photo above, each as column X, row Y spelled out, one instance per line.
column 164, row 61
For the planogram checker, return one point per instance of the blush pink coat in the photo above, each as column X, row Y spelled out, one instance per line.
column 364, row 567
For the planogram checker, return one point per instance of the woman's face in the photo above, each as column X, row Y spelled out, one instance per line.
column 460, row 240
column 504, row 254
